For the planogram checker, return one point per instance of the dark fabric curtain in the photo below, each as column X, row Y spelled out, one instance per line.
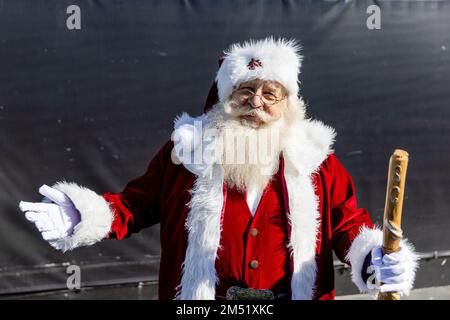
column 94, row 105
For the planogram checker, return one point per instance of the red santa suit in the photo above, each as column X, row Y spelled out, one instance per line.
column 209, row 238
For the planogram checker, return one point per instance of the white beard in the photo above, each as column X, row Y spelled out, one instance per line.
column 250, row 156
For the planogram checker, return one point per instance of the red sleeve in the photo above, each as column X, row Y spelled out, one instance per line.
column 346, row 217
column 138, row 205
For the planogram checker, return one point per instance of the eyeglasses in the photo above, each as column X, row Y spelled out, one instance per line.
column 267, row 99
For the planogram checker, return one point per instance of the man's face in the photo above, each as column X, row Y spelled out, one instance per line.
column 259, row 102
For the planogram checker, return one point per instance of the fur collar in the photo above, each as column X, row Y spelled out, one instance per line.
column 307, row 145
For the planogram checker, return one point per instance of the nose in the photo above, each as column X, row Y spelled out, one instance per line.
column 255, row 101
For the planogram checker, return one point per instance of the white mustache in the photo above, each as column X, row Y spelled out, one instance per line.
column 237, row 110
column 249, row 111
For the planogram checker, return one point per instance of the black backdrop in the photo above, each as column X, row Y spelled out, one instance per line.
column 94, row 105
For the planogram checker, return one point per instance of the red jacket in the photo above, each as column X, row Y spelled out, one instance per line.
column 318, row 198
column 253, row 251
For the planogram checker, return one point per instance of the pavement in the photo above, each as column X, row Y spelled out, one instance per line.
column 148, row 291
column 431, row 293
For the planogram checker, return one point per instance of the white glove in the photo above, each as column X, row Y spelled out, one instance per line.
column 54, row 220
column 394, row 271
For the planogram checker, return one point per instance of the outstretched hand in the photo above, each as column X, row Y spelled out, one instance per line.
column 55, row 217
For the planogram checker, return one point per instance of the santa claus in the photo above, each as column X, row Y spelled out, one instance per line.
column 249, row 194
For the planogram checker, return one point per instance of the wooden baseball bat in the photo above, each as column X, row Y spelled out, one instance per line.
column 392, row 218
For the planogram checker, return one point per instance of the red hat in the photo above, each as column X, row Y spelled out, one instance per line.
column 213, row 96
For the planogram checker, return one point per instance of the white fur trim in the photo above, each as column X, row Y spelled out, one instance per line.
column 188, row 130
column 96, row 216
column 304, row 220
column 308, row 145
column 191, row 147
column 410, row 262
column 199, row 276
column 280, row 59
column 361, row 246
column 185, row 118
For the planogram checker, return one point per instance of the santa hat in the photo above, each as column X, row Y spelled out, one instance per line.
column 266, row 59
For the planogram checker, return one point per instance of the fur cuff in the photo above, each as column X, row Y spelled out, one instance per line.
column 411, row 263
column 362, row 245
column 96, row 216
